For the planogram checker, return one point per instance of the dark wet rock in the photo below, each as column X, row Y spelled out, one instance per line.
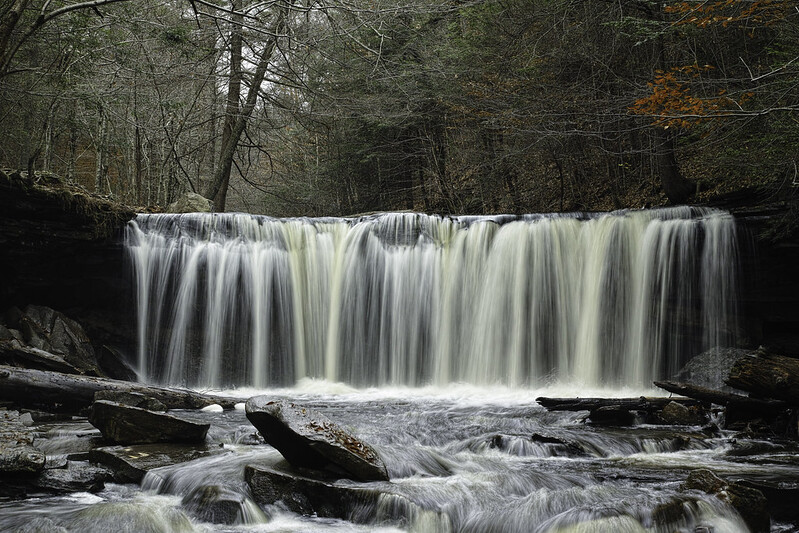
column 115, row 365
column 303, row 495
column 52, row 331
column 215, row 504
column 77, row 477
column 678, row 414
column 310, row 440
column 132, row 425
column 15, row 353
column 7, row 334
column 612, row 415
column 746, row 448
column 131, row 399
column 750, row 503
column 781, row 497
column 18, row 456
column 710, row 369
column 56, row 461
column 129, row 464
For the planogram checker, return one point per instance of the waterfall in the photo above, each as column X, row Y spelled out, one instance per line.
column 412, row 299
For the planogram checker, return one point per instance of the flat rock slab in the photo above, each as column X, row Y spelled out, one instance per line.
column 307, row 496
column 130, row 463
column 310, row 440
column 17, row 454
column 76, row 477
column 125, row 424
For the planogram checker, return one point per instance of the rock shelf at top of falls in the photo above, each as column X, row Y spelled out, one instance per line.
column 310, row 440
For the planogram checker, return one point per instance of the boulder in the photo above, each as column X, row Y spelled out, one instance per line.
column 310, row 440
column 18, row 456
column 709, row 369
column 215, row 504
column 303, row 495
column 750, row 503
column 115, row 365
column 131, row 399
column 54, row 332
column 132, row 425
column 681, row 415
column 76, row 477
column 15, row 353
column 129, row 464
column 191, row 202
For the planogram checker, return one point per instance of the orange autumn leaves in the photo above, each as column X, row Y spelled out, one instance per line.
column 726, row 12
column 673, row 99
column 672, row 103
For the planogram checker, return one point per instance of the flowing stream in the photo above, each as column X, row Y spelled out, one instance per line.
column 460, row 459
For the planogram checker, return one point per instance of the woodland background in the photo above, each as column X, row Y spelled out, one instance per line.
column 336, row 107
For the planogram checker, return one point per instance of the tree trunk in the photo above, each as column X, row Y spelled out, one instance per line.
column 592, row 404
column 101, row 165
column 767, row 376
column 677, row 188
column 56, row 392
column 705, row 394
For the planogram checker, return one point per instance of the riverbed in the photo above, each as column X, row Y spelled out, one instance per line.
column 459, row 458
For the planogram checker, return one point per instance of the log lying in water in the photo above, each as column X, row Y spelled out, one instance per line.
column 767, row 376
column 65, row 393
column 707, row 395
column 642, row 403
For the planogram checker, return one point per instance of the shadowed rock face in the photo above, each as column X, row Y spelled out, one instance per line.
column 749, row 502
column 124, row 424
column 310, row 440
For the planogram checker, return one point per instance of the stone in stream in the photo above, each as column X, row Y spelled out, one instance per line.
column 18, row 456
column 303, row 495
column 750, row 503
column 131, row 399
column 130, row 463
column 678, row 414
column 310, row 440
column 76, row 477
column 124, row 424
column 215, row 504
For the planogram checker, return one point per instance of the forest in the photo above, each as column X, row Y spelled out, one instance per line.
column 338, row 107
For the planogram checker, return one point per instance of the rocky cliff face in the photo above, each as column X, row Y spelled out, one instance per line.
column 770, row 281
column 61, row 247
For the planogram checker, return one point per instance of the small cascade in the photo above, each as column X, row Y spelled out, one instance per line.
column 411, row 299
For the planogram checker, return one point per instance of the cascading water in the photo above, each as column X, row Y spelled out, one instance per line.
column 411, row 299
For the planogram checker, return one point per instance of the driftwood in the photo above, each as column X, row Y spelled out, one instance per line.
column 66, row 393
column 642, row 403
column 767, row 376
column 705, row 394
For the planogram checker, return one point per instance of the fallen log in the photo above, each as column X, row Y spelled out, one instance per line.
column 642, row 403
column 707, row 395
column 767, row 376
column 67, row 393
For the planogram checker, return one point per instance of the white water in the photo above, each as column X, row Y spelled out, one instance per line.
column 410, row 299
